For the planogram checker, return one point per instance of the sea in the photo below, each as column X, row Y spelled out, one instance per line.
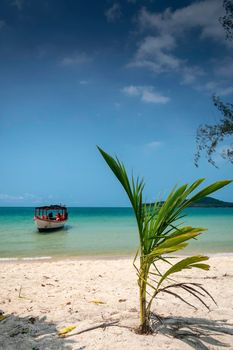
column 103, row 232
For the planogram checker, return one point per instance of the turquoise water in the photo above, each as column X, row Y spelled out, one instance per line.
column 103, row 231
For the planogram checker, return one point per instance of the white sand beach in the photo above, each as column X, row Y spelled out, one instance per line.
column 42, row 297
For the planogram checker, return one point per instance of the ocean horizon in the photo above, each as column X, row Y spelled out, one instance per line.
column 103, row 231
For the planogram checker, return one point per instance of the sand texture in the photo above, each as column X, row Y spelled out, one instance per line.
column 41, row 298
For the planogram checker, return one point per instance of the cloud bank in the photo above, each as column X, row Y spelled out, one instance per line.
column 146, row 94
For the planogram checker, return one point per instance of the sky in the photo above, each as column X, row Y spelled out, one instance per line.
column 132, row 76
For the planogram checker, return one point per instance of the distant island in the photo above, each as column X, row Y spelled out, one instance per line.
column 209, row 202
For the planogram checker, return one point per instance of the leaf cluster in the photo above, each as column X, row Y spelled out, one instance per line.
column 210, row 136
column 161, row 233
column 227, row 19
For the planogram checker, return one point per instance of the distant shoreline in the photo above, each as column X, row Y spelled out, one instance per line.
column 206, row 202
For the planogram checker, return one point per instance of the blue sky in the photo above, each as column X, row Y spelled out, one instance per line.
column 134, row 77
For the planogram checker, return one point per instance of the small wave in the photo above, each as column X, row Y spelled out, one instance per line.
column 27, row 258
column 219, row 254
column 38, row 258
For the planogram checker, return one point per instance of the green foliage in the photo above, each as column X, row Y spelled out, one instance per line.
column 227, row 19
column 161, row 233
column 209, row 137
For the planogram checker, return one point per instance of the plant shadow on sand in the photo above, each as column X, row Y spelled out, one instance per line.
column 198, row 333
column 31, row 333
column 34, row 333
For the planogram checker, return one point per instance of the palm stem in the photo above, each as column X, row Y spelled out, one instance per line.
column 159, row 235
column 144, row 317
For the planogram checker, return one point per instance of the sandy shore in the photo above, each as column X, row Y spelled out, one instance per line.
column 43, row 297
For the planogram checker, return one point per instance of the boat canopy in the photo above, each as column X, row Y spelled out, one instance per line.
column 52, row 207
column 42, row 212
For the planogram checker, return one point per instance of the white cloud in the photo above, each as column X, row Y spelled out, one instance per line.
column 117, row 105
column 202, row 15
column 166, row 31
column 75, row 59
column 150, row 148
column 113, row 13
column 2, row 24
column 224, row 68
column 24, row 198
column 135, row 1
column 225, row 91
column 153, row 53
column 218, row 88
column 131, row 90
column 84, row 82
column 147, row 94
column 190, row 74
column 153, row 97
column 18, row 3
column 210, row 86
column 10, row 198
column 153, row 145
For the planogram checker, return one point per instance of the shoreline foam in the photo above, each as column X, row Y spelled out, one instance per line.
column 101, row 257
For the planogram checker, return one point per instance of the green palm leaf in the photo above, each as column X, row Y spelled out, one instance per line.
column 186, row 263
column 161, row 233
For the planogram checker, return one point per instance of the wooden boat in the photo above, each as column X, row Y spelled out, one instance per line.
column 50, row 218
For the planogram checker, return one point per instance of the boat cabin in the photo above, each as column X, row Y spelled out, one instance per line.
column 51, row 213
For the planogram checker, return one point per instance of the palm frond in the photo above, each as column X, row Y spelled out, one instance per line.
column 161, row 233
column 186, row 263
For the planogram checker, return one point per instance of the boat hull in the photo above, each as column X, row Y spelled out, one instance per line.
column 49, row 225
